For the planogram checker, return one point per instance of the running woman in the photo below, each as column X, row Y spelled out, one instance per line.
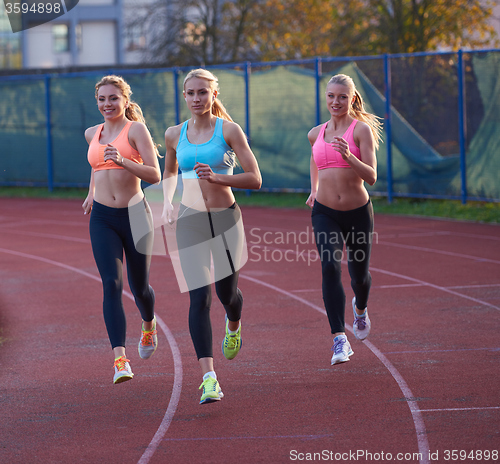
column 205, row 148
column 343, row 158
column 121, row 154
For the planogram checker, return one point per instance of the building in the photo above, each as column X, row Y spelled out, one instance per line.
column 93, row 33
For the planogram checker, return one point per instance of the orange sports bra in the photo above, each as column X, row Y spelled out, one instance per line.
column 95, row 154
column 326, row 157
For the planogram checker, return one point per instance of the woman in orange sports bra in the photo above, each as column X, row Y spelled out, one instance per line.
column 121, row 154
column 343, row 158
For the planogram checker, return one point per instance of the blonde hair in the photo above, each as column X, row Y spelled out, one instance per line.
column 133, row 112
column 357, row 109
column 218, row 108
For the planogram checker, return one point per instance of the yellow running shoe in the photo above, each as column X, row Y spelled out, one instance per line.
column 148, row 342
column 232, row 342
column 211, row 391
column 123, row 372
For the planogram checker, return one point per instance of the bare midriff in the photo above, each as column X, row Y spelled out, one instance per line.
column 341, row 189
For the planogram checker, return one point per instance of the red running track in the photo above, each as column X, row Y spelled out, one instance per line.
column 426, row 382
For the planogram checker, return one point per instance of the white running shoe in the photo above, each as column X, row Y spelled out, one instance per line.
column 148, row 342
column 362, row 324
column 123, row 372
column 341, row 349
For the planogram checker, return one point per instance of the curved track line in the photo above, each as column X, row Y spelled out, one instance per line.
column 437, row 287
column 174, row 399
column 177, row 385
column 411, row 279
column 423, row 444
column 441, row 252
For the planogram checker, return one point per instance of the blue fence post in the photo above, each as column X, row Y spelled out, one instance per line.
column 317, row 75
column 175, row 75
column 462, row 124
column 388, row 127
column 248, row 70
column 48, row 128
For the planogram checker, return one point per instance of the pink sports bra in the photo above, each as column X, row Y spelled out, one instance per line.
column 326, row 157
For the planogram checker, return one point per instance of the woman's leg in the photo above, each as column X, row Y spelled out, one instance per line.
column 138, row 256
column 200, row 327
column 329, row 242
column 358, row 246
column 231, row 298
column 108, row 254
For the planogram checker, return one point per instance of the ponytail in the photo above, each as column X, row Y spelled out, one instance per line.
column 219, row 110
column 134, row 112
column 358, row 111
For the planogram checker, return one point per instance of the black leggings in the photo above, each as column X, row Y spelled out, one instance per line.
column 110, row 234
column 332, row 229
column 195, row 231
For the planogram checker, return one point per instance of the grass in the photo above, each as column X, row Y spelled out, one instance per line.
column 452, row 209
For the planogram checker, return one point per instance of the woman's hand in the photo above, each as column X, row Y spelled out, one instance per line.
column 204, row 171
column 87, row 204
column 339, row 144
column 312, row 198
column 111, row 153
column 168, row 213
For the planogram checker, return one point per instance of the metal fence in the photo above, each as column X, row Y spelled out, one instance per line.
column 440, row 110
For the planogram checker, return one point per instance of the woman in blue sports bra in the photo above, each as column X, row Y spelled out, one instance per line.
column 208, row 224
column 343, row 158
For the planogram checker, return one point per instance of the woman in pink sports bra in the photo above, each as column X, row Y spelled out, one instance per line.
column 121, row 154
column 343, row 159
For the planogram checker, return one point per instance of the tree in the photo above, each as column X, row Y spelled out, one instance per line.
column 194, row 32
column 407, row 26
column 286, row 29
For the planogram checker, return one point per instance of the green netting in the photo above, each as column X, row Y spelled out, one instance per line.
column 416, row 166
column 483, row 155
column 282, row 100
column 23, row 132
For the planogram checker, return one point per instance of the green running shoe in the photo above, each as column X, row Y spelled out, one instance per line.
column 232, row 342
column 211, row 391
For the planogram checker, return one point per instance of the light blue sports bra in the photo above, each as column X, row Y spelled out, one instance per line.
column 216, row 153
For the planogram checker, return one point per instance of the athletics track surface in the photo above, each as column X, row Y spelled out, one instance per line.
column 426, row 380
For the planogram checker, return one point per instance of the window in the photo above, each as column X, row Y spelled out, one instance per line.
column 135, row 38
column 10, row 44
column 60, row 35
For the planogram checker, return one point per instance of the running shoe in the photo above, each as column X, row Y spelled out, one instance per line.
column 341, row 349
column 362, row 324
column 211, row 391
column 232, row 342
column 123, row 372
column 148, row 341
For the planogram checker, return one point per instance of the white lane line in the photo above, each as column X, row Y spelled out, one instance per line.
column 461, row 409
column 440, row 252
column 177, row 385
column 423, row 444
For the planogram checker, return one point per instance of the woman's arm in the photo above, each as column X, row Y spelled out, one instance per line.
column 250, row 178
column 170, row 172
column 313, row 169
column 87, row 204
column 366, row 167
